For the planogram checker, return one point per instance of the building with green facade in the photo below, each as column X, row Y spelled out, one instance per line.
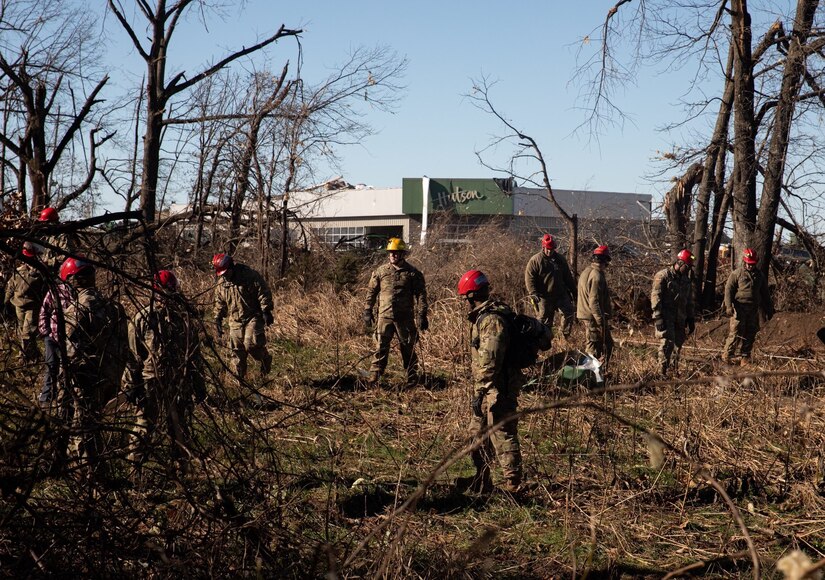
column 449, row 209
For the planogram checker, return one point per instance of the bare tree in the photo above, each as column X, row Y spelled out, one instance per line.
column 761, row 114
column 161, row 20
column 319, row 119
column 46, row 54
column 526, row 150
column 263, row 136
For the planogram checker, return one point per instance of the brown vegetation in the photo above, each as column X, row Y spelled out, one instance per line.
column 328, row 477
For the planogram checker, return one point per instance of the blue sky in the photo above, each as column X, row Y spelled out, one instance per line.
column 529, row 47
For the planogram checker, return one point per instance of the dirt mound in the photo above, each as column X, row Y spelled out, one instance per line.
column 791, row 330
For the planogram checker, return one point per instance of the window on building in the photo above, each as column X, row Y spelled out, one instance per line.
column 342, row 237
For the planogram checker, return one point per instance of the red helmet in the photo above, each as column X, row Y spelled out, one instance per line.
column 749, row 256
column 547, row 242
column 48, row 214
column 687, row 257
column 221, row 263
column 73, row 266
column 166, row 280
column 472, row 281
column 30, row 250
column 602, row 252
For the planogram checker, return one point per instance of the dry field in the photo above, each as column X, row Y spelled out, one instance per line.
column 717, row 472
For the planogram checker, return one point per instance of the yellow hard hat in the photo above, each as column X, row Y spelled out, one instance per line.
column 396, row 245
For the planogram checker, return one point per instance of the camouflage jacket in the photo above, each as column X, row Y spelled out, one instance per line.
column 54, row 257
column 593, row 297
column 164, row 345
column 88, row 326
column 26, row 288
column 748, row 287
column 489, row 340
column 672, row 296
column 397, row 291
column 96, row 342
column 242, row 298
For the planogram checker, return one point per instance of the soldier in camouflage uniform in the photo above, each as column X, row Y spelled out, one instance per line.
column 95, row 357
column 58, row 246
column 672, row 303
column 244, row 297
column 25, row 291
column 163, row 374
column 594, row 306
column 746, row 296
column 550, row 285
column 397, row 286
column 496, row 385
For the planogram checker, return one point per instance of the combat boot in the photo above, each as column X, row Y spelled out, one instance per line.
column 413, row 380
column 511, row 487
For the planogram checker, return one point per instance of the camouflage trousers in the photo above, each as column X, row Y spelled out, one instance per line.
column 407, row 334
column 546, row 311
column 161, row 405
column 249, row 339
column 28, row 333
column 744, row 324
column 671, row 340
column 502, row 444
column 81, row 407
column 599, row 341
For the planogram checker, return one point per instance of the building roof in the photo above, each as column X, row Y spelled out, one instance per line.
column 586, row 204
column 347, row 203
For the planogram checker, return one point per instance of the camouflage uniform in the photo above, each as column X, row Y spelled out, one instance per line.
column 95, row 352
column 244, row 299
column 397, row 291
column 549, row 280
column 746, row 295
column 672, row 301
column 66, row 245
column 595, row 308
column 500, row 386
column 162, row 374
column 25, row 291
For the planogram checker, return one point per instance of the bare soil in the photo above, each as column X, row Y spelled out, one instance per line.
column 785, row 333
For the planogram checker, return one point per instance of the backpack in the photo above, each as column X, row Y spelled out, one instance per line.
column 528, row 336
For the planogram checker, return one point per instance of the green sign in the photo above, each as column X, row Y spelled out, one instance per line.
column 459, row 196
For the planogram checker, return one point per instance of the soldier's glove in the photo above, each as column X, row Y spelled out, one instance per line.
column 659, row 324
column 268, row 318
column 368, row 321
column 475, row 404
column 423, row 323
column 690, row 326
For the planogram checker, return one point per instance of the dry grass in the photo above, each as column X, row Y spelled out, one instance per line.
column 314, row 484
